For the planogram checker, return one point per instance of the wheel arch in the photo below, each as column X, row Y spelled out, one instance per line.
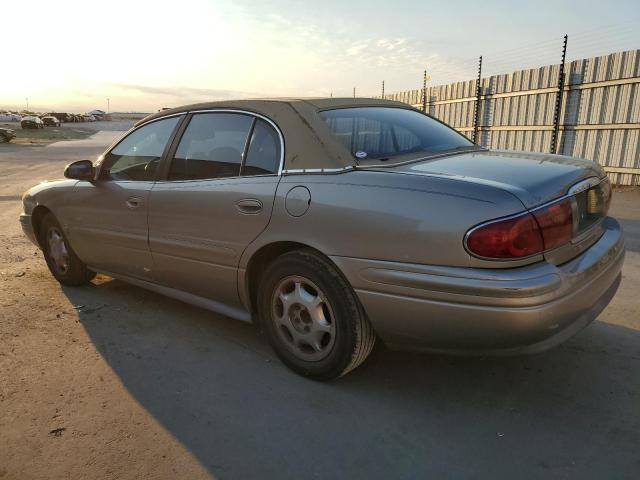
column 37, row 215
column 262, row 258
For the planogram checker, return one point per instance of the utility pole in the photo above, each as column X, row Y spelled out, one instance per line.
column 108, row 106
column 476, row 115
column 556, row 111
column 27, row 100
column 383, row 89
column 354, row 92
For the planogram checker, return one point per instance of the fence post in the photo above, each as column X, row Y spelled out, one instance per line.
column 556, row 112
column 476, row 114
column 424, row 92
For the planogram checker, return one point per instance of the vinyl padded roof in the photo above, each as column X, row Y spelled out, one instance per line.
column 309, row 142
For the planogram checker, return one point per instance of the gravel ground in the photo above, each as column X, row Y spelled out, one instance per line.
column 112, row 382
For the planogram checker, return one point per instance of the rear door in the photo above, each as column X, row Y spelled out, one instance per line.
column 215, row 198
column 108, row 217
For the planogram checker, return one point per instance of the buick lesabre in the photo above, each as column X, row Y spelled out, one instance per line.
column 333, row 222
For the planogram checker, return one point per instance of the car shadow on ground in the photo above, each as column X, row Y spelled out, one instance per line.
column 215, row 385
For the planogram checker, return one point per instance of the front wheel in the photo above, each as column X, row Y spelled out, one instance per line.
column 312, row 317
column 62, row 261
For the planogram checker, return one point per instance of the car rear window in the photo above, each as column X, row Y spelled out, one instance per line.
column 379, row 133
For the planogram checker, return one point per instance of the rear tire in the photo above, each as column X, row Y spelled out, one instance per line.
column 312, row 317
column 62, row 261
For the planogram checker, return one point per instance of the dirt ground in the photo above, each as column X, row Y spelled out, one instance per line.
column 112, row 382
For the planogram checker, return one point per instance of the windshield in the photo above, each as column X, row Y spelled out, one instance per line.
column 379, row 133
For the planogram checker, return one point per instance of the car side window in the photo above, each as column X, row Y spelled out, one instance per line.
column 263, row 154
column 405, row 139
column 138, row 155
column 361, row 134
column 211, row 147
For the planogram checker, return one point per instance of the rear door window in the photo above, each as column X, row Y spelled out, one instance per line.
column 211, row 147
column 263, row 154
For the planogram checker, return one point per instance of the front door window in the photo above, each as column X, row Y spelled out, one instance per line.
column 138, row 155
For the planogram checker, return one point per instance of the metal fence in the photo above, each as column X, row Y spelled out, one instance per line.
column 599, row 110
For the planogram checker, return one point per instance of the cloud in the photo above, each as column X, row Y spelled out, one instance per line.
column 385, row 52
column 391, row 44
column 356, row 49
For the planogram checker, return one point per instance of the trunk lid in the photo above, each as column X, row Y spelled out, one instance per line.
column 534, row 178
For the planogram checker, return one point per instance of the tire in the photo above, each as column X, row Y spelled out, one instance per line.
column 62, row 261
column 312, row 317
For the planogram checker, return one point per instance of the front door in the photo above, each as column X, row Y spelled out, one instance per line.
column 216, row 198
column 108, row 227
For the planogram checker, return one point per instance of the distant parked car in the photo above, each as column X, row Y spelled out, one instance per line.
column 9, row 117
column 6, row 135
column 98, row 114
column 31, row 122
column 63, row 117
column 50, row 121
column 89, row 118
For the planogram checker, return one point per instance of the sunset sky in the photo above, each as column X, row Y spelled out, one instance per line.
column 72, row 55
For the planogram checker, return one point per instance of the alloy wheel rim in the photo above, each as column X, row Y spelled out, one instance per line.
column 303, row 318
column 58, row 250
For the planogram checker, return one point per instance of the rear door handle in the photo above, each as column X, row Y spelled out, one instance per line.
column 249, row 206
column 134, row 202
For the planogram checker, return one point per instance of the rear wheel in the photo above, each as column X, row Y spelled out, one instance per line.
column 62, row 261
column 312, row 317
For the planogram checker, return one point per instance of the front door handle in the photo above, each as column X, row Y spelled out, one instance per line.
column 134, row 202
column 249, row 206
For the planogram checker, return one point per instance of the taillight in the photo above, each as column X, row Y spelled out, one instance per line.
column 524, row 235
column 510, row 238
column 605, row 188
column 556, row 223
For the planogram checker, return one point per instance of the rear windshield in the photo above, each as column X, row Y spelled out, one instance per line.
column 380, row 133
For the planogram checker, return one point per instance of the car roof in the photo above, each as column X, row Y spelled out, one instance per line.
column 310, row 144
column 262, row 103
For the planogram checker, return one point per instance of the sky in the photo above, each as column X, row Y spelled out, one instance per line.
column 71, row 55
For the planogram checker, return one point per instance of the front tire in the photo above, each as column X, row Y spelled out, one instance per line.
column 62, row 261
column 312, row 317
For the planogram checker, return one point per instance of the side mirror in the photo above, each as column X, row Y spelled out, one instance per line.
column 80, row 170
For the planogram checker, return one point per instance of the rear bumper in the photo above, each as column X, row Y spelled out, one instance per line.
column 487, row 311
